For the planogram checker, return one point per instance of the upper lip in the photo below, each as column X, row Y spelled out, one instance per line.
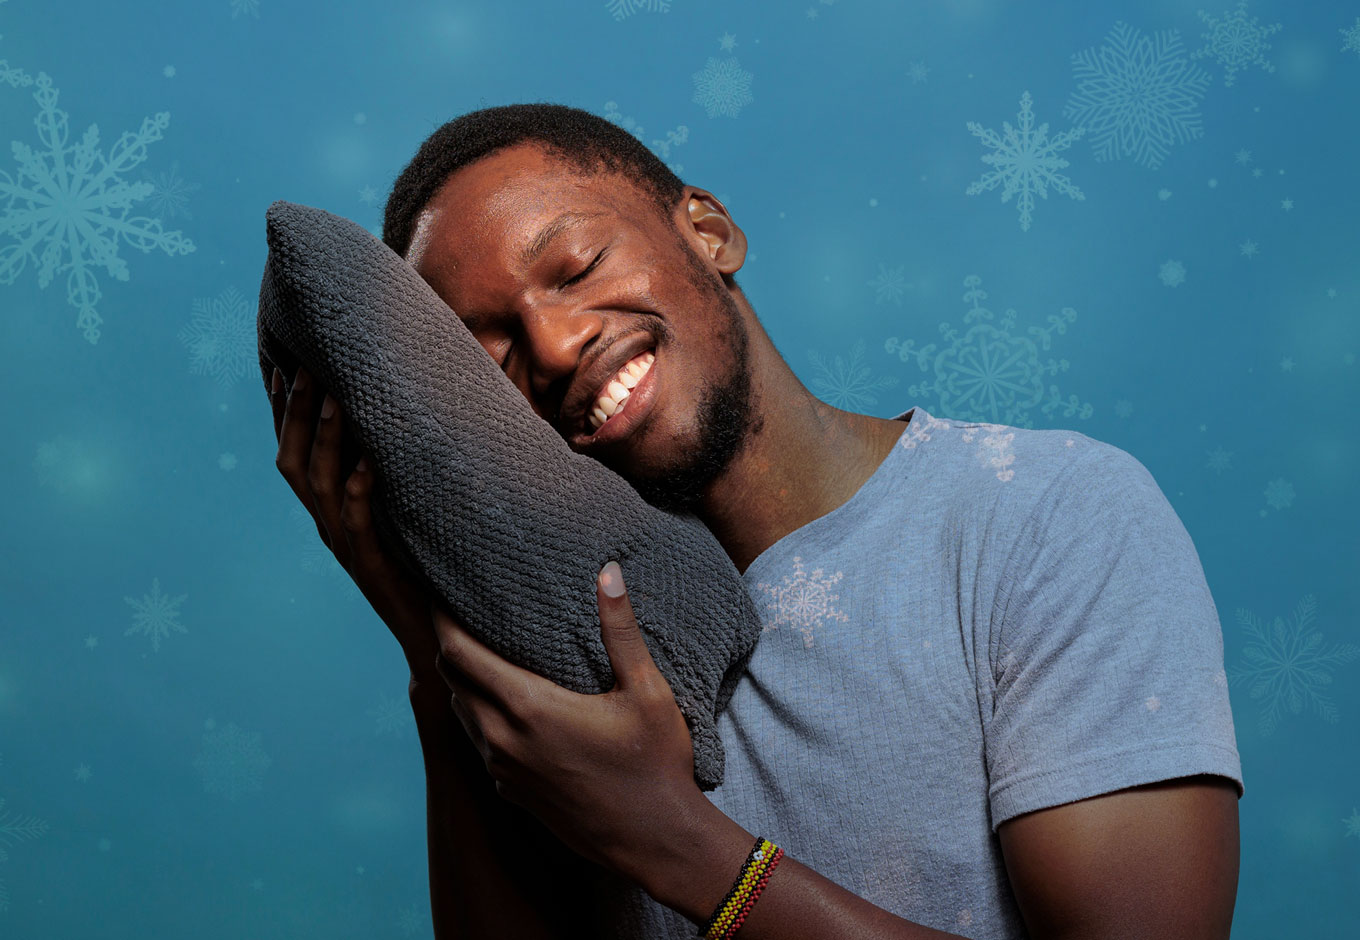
column 590, row 382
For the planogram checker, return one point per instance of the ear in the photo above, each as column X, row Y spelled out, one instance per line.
column 708, row 220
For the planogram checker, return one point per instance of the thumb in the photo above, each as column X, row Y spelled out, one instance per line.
column 628, row 653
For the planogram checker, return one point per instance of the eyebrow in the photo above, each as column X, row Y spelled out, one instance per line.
column 550, row 231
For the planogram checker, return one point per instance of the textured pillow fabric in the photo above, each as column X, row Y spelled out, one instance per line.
column 480, row 497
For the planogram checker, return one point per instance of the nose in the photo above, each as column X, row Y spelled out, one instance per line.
column 556, row 336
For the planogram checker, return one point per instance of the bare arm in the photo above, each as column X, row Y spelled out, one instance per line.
column 494, row 870
column 1147, row 863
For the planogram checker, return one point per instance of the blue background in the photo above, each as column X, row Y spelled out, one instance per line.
column 203, row 725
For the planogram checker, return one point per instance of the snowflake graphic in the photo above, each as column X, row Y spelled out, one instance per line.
column 1236, row 43
column 1123, row 407
column 170, row 193
column 660, row 146
column 245, row 7
column 917, row 72
column 392, row 717
column 368, row 195
column 802, row 601
column 846, row 384
column 221, row 337
column 15, row 828
column 722, row 86
column 994, row 451
column 1280, row 493
column 1172, row 273
column 1026, row 161
column 1137, row 95
column 1353, row 823
column 226, row 461
column 71, row 202
column 1286, row 666
column 414, row 921
column 622, row 9
column 1350, row 34
column 1219, row 459
column 156, row 615
column 1249, row 249
column 727, row 42
column 890, row 284
column 991, row 373
column 231, row 761
column 1242, row 157
column 14, row 76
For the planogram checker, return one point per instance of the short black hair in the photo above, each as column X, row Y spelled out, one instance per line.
column 583, row 139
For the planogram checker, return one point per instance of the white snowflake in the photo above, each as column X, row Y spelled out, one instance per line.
column 392, row 717
column 727, row 42
column 1163, row 194
column 72, row 203
column 1280, row 493
column 244, row 7
column 15, row 828
column 170, row 193
column 1249, row 249
column 917, row 72
column 1171, row 273
column 722, row 86
column 890, row 284
column 845, row 384
column 156, row 615
column 1137, row 95
column 1286, row 666
column 1219, row 459
column 995, row 449
column 1351, row 35
column 990, row 373
column 1026, row 161
column 1236, row 42
column 622, row 9
column 221, row 337
column 231, row 762
column 13, row 75
column 803, row 602
column 660, row 146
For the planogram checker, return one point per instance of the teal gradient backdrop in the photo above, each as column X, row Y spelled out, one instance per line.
column 203, row 726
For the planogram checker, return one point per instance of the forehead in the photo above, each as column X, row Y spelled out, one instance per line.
column 499, row 204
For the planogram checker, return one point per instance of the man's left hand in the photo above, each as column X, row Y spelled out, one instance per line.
column 602, row 772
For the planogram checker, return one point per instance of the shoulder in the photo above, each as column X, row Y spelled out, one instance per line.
column 1021, row 474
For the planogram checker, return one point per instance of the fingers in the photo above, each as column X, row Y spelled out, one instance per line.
column 387, row 586
column 308, row 457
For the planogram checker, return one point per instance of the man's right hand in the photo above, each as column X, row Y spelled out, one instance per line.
column 309, row 459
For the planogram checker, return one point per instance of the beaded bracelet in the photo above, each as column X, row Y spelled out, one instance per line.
column 755, row 874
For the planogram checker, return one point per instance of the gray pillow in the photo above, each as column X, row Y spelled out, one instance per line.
column 480, row 497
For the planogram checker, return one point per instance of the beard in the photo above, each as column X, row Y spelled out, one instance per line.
column 723, row 414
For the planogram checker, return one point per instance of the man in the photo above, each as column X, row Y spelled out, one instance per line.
column 989, row 698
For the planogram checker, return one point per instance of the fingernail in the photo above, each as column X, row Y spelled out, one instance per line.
column 611, row 579
column 300, row 380
column 328, row 407
column 362, row 465
column 275, row 382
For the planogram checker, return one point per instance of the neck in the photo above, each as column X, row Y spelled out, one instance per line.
column 801, row 460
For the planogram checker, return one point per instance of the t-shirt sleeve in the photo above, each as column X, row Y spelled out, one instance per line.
column 1105, row 649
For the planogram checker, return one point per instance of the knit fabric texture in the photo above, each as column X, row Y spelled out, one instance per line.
column 480, row 497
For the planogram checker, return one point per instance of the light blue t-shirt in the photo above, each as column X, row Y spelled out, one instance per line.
column 998, row 621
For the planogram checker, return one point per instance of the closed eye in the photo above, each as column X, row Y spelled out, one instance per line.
column 589, row 268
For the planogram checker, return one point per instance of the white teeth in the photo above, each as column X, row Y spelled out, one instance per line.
column 619, row 388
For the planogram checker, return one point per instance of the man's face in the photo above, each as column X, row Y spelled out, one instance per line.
column 616, row 271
